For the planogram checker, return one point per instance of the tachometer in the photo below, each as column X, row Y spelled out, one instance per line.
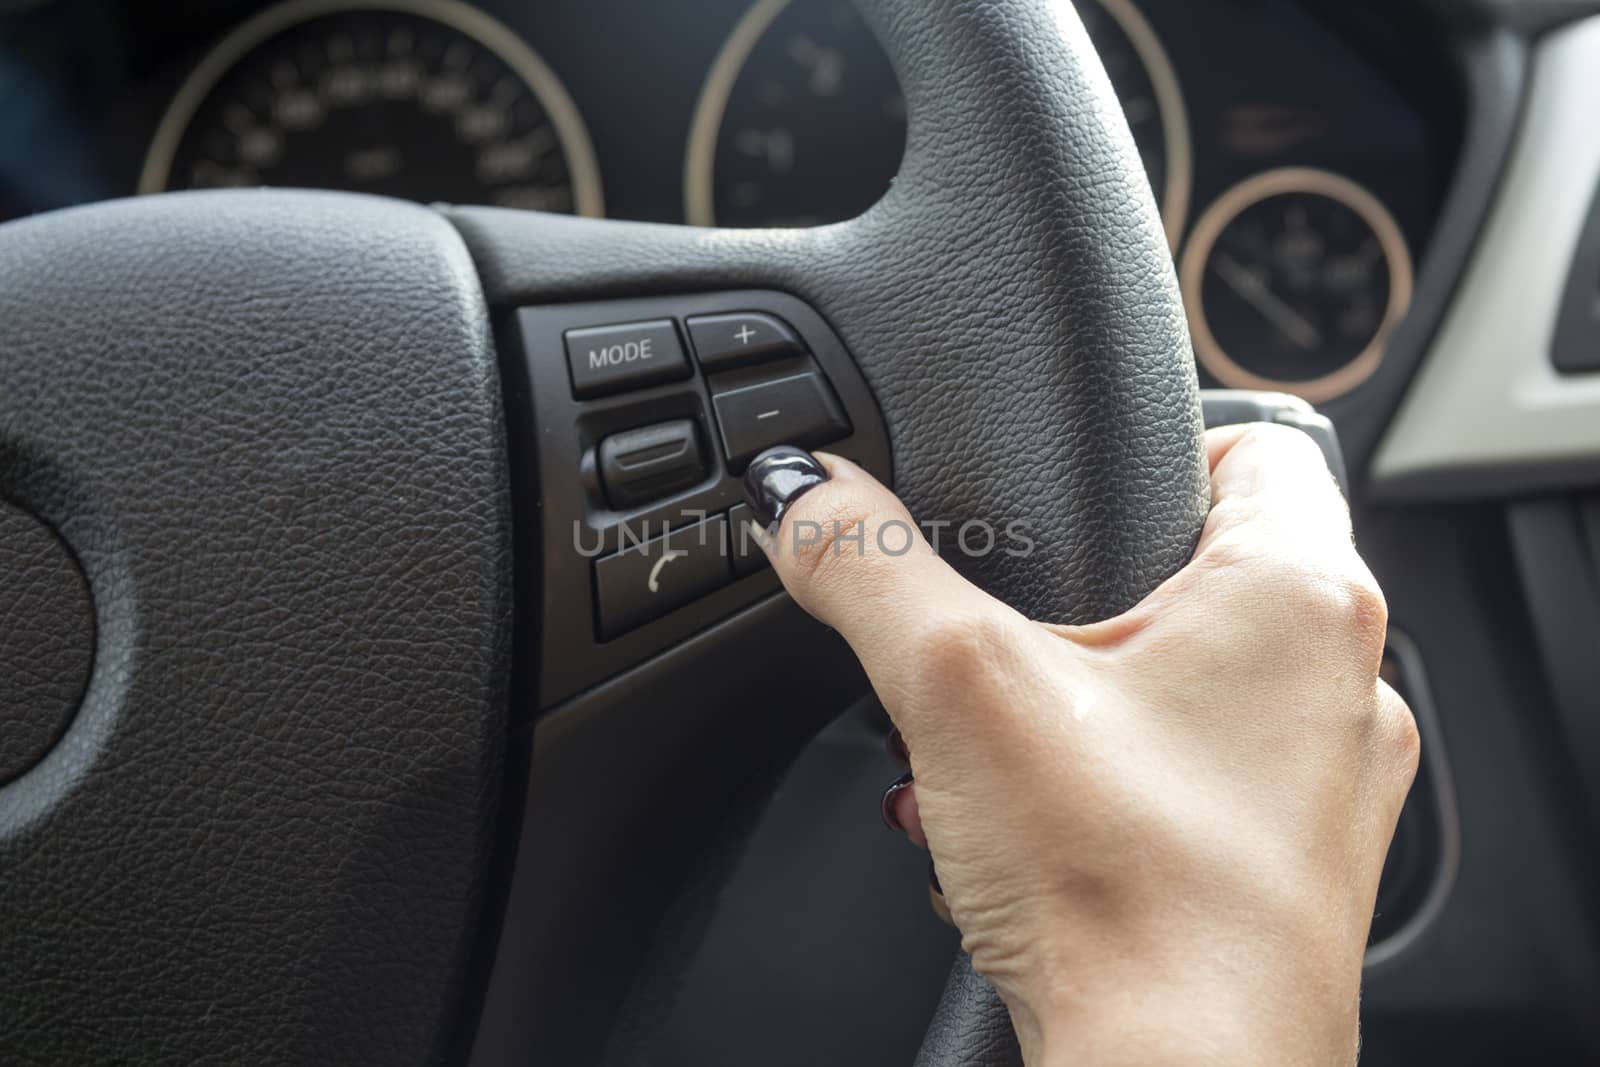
column 419, row 99
column 801, row 120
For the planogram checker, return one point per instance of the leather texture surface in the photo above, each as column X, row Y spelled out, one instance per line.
column 970, row 1027
column 269, row 426
column 46, row 639
column 1011, row 301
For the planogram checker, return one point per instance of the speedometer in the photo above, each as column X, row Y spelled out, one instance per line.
column 418, row 99
column 801, row 120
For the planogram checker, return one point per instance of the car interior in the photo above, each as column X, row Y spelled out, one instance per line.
column 340, row 723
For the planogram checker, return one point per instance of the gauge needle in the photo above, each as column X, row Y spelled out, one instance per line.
column 1253, row 291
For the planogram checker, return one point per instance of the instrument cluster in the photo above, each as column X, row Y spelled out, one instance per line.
column 1297, row 151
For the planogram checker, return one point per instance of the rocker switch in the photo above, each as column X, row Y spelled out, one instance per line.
column 643, row 466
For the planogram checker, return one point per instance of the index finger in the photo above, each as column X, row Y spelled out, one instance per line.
column 1263, row 472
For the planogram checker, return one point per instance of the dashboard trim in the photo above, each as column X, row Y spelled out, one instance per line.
column 238, row 43
column 1488, row 411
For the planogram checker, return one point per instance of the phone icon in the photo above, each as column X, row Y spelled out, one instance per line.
column 655, row 572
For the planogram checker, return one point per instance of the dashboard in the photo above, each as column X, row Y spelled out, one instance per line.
column 1373, row 205
column 1298, row 150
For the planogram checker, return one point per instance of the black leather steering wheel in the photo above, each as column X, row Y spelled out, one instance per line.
column 269, row 428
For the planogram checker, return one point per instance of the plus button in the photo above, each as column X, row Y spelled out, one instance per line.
column 744, row 334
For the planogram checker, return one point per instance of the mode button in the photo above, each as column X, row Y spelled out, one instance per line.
column 614, row 359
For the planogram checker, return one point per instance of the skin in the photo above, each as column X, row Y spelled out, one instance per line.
column 1160, row 836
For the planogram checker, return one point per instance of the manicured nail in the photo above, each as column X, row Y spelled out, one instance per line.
column 777, row 478
column 895, row 745
column 886, row 806
column 933, row 879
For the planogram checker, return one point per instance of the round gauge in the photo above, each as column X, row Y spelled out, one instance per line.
column 1294, row 280
column 802, row 121
column 419, row 99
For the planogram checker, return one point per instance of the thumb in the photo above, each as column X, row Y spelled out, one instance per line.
column 851, row 555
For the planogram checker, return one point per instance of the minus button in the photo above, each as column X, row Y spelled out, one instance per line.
column 798, row 410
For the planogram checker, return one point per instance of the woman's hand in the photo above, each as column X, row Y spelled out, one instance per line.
column 1160, row 836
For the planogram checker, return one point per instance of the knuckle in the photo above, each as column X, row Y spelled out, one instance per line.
column 1337, row 597
column 1349, row 599
column 1402, row 740
column 1359, row 605
column 1384, row 731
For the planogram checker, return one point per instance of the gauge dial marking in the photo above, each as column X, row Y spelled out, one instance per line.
column 801, row 120
column 420, row 99
column 1293, row 281
column 1255, row 291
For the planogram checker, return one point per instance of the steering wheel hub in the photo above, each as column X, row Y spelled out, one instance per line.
column 269, row 425
column 46, row 639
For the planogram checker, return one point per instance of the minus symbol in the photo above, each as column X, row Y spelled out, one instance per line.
column 769, row 414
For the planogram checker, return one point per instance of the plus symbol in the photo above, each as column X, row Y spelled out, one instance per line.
column 744, row 334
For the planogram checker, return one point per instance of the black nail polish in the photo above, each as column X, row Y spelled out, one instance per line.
column 895, row 745
column 886, row 805
column 777, row 478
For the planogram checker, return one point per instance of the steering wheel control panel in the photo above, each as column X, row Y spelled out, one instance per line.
column 645, row 415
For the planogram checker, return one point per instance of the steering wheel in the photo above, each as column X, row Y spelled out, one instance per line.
column 269, row 434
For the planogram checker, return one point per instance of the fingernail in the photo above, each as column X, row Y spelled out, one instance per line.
column 777, row 478
column 933, row 879
column 886, row 806
column 895, row 744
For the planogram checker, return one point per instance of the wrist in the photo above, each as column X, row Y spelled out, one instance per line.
column 1232, row 1012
